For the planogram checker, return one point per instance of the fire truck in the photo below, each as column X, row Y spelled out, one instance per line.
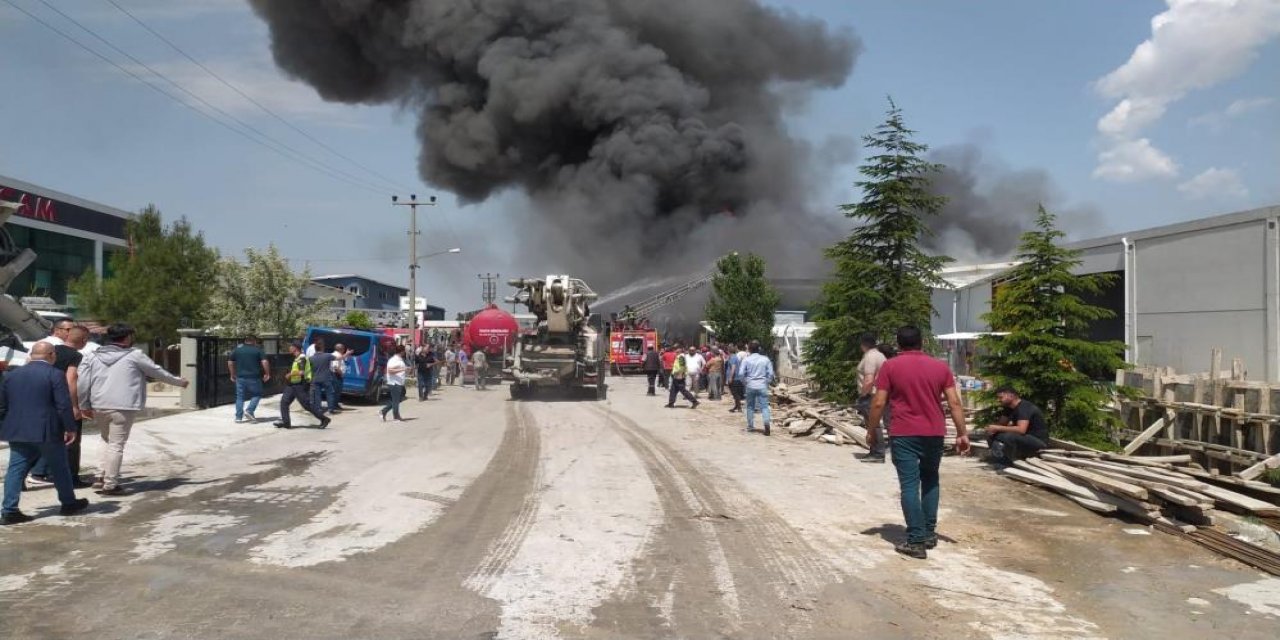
column 630, row 332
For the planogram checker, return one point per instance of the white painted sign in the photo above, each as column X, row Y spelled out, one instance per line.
column 420, row 304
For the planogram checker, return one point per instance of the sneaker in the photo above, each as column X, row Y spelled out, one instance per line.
column 282, row 425
column 872, row 457
column 695, row 404
column 240, row 421
column 111, row 491
column 80, row 484
column 75, row 507
column 97, row 483
column 249, row 417
column 912, row 550
column 15, row 517
column 384, row 416
column 766, row 428
column 931, row 542
column 35, row 479
column 668, row 406
column 324, row 422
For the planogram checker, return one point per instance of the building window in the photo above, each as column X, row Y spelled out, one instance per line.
column 354, row 289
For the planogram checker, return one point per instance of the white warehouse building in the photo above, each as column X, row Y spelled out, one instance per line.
column 1180, row 291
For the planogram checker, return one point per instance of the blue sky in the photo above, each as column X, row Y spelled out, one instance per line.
column 1188, row 128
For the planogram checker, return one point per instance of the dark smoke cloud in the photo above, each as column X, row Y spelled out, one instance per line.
column 630, row 124
column 989, row 205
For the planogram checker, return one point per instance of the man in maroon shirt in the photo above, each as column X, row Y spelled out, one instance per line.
column 913, row 384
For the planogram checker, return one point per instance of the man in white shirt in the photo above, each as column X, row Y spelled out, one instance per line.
column 868, row 369
column 696, row 363
column 396, row 368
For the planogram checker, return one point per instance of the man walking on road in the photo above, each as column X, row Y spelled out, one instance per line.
column 249, row 369
column 297, row 387
column 652, row 366
column 715, row 375
column 668, row 362
column 695, row 363
column 913, row 384
column 868, row 369
column 339, row 373
column 480, row 363
column 37, row 421
column 67, row 359
column 425, row 365
column 757, row 374
column 396, row 368
column 679, row 371
column 736, row 388
column 322, row 378
column 113, row 386
column 450, row 366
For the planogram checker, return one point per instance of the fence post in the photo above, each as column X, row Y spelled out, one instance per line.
column 189, row 369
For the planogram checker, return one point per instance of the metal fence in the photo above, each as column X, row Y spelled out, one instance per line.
column 214, row 386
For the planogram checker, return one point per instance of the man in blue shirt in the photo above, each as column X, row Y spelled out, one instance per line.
column 756, row 373
column 731, row 377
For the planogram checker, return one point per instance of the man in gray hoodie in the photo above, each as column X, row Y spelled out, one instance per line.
column 113, row 389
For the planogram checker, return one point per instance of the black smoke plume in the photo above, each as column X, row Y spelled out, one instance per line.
column 989, row 205
column 634, row 126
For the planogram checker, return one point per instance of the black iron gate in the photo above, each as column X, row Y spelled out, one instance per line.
column 214, row 386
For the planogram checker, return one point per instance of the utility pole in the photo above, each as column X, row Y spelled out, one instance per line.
column 489, row 290
column 413, row 259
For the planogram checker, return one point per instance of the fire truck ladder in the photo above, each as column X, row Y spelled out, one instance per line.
column 645, row 307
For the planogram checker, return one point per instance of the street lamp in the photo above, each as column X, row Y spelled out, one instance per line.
column 413, row 258
column 440, row 253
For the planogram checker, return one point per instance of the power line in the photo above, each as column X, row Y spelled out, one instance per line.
column 268, row 143
column 388, row 181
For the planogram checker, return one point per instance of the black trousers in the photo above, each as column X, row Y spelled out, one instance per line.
column 664, row 378
column 653, row 376
column 302, row 393
column 738, row 391
column 677, row 387
column 1017, row 445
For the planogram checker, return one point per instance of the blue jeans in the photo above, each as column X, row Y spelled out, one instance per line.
column 250, row 388
column 757, row 400
column 917, row 459
column 336, row 389
column 395, row 394
column 424, row 384
column 22, row 455
column 323, row 390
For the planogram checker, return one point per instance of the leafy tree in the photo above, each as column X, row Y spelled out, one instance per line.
column 882, row 278
column 262, row 295
column 1048, row 355
column 742, row 301
column 358, row 320
column 161, row 284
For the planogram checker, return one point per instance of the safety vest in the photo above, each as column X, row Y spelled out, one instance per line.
column 300, row 372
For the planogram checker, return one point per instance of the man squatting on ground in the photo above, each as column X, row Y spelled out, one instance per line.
column 1021, row 431
column 913, row 383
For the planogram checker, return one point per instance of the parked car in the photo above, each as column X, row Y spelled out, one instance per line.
column 367, row 362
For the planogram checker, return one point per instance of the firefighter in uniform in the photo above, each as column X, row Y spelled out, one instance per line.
column 298, row 386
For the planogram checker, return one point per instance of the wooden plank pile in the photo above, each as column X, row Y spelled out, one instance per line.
column 1162, row 491
column 828, row 422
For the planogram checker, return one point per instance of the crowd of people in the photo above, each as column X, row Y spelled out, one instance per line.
column 743, row 369
column 45, row 403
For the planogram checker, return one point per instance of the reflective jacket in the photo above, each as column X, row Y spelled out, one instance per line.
column 300, row 371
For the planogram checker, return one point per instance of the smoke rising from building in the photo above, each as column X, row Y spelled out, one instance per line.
column 634, row 128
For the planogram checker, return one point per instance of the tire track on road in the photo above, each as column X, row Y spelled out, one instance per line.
column 774, row 573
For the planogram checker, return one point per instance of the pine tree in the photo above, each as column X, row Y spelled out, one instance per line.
column 1047, row 355
column 742, row 301
column 161, row 284
column 882, row 280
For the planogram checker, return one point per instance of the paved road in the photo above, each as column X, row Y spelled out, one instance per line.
column 482, row 517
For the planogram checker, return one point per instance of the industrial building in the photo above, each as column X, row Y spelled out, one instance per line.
column 70, row 236
column 385, row 303
column 1180, row 290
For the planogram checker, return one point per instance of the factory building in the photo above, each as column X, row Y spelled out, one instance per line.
column 1179, row 291
column 70, row 236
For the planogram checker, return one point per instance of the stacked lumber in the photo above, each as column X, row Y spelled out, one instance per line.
column 1162, row 491
column 802, row 416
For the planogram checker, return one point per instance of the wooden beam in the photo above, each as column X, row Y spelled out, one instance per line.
column 1146, row 435
column 1258, row 469
column 1102, row 483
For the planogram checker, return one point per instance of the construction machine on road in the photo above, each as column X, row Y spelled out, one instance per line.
column 566, row 348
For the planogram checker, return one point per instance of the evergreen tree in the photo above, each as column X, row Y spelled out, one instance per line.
column 742, row 301
column 1047, row 355
column 262, row 295
column 882, row 280
column 161, row 284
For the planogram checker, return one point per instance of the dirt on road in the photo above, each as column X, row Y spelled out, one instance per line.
column 484, row 517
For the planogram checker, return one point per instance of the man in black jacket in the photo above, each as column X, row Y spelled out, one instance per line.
column 37, row 421
column 652, row 365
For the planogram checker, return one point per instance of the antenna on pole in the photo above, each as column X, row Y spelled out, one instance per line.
column 488, row 288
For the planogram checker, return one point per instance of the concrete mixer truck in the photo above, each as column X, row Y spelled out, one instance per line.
column 566, row 348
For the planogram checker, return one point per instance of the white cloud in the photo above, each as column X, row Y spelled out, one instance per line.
column 1215, row 183
column 1133, row 160
column 1217, row 120
column 1194, row 44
